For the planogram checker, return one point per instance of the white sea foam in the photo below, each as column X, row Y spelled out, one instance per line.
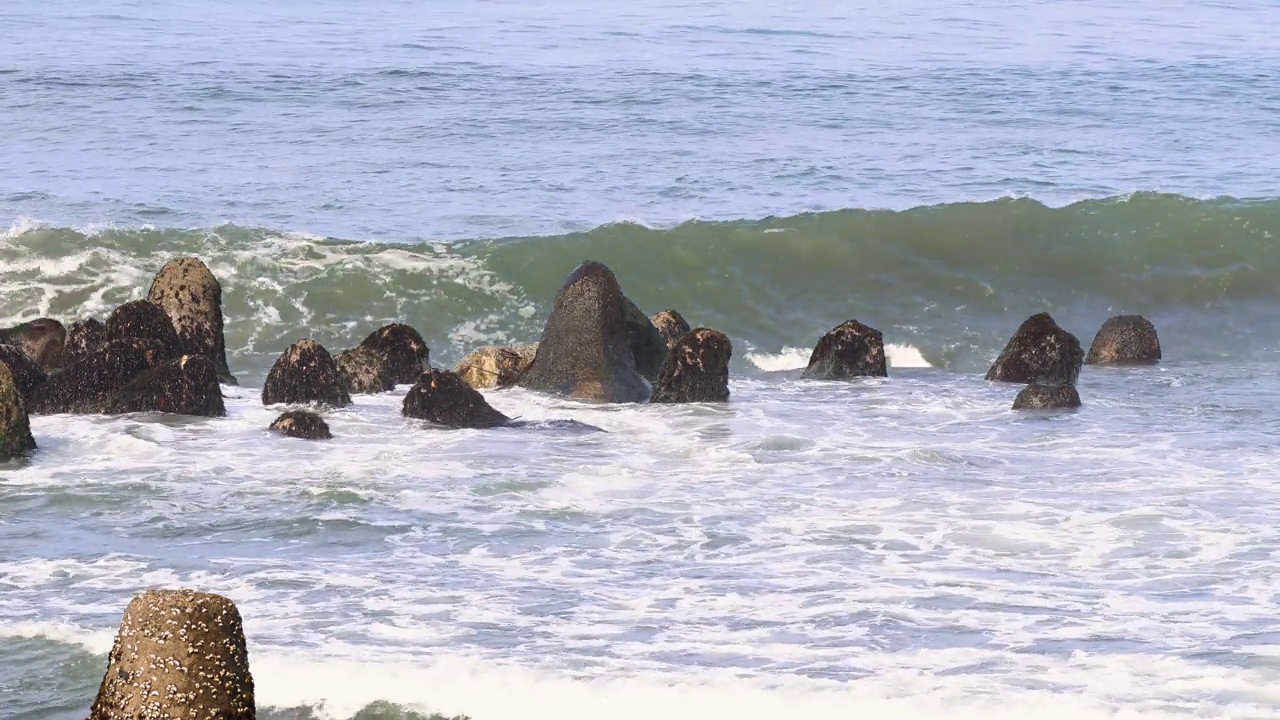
column 793, row 358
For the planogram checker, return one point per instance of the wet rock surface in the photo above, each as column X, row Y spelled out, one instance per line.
column 444, row 398
column 1047, row 397
column 364, row 371
column 406, row 353
column 305, row 373
column 186, row 386
column 191, row 296
column 849, row 351
column 696, row 369
column 15, row 426
column 302, row 424
column 495, row 367
column 1039, row 353
column 1125, row 340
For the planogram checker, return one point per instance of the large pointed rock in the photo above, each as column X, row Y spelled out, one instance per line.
column 1039, row 353
column 178, row 654
column 406, row 352
column 191, row 296
column 145, row 321
column 495, row 367
column 1125, row 340
column 27, row 375
column 305, row 373
column 849, row 351
column 15, row 426
column 42, row 340
column 85, row 385
column 584, row 353
column 696, row 369
column 444, row 398
column 186, row 386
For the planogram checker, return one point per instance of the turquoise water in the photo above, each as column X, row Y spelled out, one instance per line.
column 899, row 548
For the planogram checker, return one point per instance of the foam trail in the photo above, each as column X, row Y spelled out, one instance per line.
column 794, row 358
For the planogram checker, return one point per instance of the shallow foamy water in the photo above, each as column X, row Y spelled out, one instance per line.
column 903, row 547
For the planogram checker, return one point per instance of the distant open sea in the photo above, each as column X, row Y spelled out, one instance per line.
column 897, row 548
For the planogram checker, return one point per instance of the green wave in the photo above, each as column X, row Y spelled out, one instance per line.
column 951, row 280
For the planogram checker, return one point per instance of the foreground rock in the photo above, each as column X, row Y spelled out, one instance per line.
column 186, row 386
column 302, row 424
column 179, row 654
column 584, row 352
column 444, row 398
column 145, row 321
column 15, row 426
column 364, row 371
column 671, row 326
column 42, row 340
column 1125, row 340
column 648, row 347
column 1047, row 397
column 406, row 353
column 191, row 296
column 495, row 367
column 1040, row 353
column 850, row 350
column 84, row 338
column 305, row 373
column 86, row 385
column 696, row 370
column 27, row 375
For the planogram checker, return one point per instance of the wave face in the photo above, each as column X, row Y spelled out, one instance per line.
column 951, row 281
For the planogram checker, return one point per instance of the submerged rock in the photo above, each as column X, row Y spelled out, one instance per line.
column 1125, row 340
column 584, row 352
column 145, row 321
column 444, row 398
column 696, row 370
column 15, row 426
column 42, row 340
column 364, row 371
column 178, row 654
column 305, row 373
column 648, row 347
column 1039, row 353
column 186, row 386
column 27, row 375
column 1047, row 397
column 495, row 367
column 302, row 424
column 84, row 338
column 406, row 352
column 671, row 326
column 85, row 386
column 850, row 350
column 191, row 296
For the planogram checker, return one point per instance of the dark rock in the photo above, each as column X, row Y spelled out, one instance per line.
column 584, row 352
column 406, row 352
column 1125, row 340
column 179, row 654
column 15, row 426
column 84, row 338
column 495, row 367
column 648, row 347
column 42, row 340
column 85, row 386
column 188, row 292
column 27, row 375
column 671, row 326
column 850, row 350
column 1047, row 397
column 186, row 386
column 696, row 370
column 305, row 373
column 302, row 424
column 364, row 371
column 1039, row 353
column 146, row 321
column 444, row 398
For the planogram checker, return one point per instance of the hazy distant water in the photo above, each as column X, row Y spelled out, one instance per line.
column 899, row 548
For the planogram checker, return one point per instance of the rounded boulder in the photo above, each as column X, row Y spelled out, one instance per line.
column 191, row 296
column 146, row 321
column 1125, row 340
column 444, row 398
column 1047, row 397
column 1039, row 353
column 305, row 373
column 696, row 369
column 849, row 351
column 364, row 371
column 178, row 654
column 302, row 424
column 495, row 367
column 186, row 386
column 406, row 353
column 43, row 340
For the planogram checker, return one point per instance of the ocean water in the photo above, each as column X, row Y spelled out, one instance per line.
column 896, row 548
